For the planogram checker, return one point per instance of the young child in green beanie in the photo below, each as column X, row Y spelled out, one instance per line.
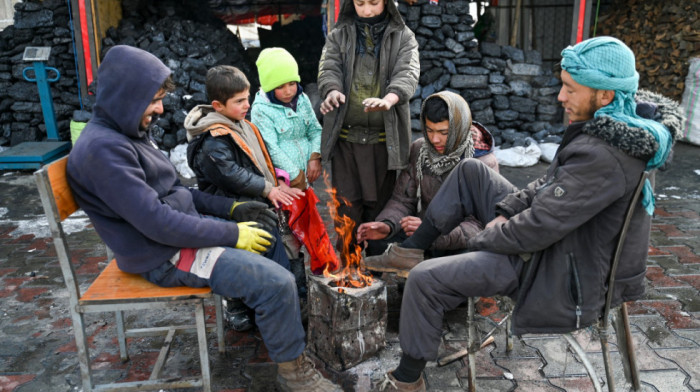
column 284, row 115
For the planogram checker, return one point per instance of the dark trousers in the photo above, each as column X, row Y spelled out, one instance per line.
column 438, row 285
column 362, row 181
column 264, row 284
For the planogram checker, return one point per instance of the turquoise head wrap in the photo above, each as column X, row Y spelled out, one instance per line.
column 606, row 63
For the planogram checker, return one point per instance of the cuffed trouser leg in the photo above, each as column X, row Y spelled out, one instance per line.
column 472, row 188
column 439, row 285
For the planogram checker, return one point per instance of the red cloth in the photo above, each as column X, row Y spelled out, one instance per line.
column 308, row 227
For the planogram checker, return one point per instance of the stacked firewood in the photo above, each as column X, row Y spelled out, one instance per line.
column 664, row 35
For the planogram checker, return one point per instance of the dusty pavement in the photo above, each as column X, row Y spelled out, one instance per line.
column 37, row 352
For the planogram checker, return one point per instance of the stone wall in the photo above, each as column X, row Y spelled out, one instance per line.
column 189, row 41
column 508, row 89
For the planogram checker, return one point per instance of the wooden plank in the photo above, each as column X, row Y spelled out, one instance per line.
column 114, row 284
column 61, row 191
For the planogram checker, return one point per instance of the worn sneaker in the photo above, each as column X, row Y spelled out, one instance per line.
column 395, row 259
column 300, row 375
column 389, row 383
column 238, row 316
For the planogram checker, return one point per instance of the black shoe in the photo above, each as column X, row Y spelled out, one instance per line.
column 238, row 316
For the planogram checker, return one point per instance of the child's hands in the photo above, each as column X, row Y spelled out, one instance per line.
column 333, row 100
column 284, row 194
column 313, row 170
column 380, row 104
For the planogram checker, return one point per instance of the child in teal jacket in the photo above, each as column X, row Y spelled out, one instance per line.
column 284, row 115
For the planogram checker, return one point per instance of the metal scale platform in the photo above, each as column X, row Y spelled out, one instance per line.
column 32, row 155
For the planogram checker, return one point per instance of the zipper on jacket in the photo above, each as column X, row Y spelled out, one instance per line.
column 575, row 287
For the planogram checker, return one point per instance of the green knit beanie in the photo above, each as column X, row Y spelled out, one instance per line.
column 276, row 67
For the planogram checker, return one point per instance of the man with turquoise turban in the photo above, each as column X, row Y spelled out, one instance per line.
column 549, row 245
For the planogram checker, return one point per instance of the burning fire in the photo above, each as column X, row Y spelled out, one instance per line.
column 350, row 274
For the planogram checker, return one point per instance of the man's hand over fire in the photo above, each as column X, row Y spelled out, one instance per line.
column 372, row 231
column 409, row 224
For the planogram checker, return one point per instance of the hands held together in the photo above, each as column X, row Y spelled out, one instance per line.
column 284, row 194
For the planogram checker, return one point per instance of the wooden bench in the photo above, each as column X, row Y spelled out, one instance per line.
column 117, row 291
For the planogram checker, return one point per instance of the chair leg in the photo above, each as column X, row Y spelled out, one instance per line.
column 121, row 336
column 83, row 353
column 472, row 345
column 626, row 346
column 605, row 347
column 219, row 323
column 584, row 359
column 509, row 334
column 203, row 349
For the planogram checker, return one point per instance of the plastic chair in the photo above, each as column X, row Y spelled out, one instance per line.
column 117, row 291
column 620, row 324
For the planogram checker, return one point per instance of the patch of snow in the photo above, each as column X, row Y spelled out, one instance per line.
column 3, row 211
column 39, row 227
column 696, row 172
column 672, row 188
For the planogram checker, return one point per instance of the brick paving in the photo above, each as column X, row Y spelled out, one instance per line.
column 38, row 352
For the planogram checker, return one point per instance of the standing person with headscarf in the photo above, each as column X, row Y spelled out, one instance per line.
column 449, row 136
column 367, row 73
column 552, row 242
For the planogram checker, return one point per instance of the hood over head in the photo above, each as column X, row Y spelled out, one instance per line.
column 460, row 143
column 127, row 81
column 347, row 13
column 460, row 119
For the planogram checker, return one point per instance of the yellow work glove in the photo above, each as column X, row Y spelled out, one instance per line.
column 251, row 238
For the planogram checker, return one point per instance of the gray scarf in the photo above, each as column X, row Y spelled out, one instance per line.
column 460, row 143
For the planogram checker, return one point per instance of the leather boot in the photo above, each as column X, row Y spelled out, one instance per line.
column 389, row 383
column 300, row 375
column 395, row 259
column 238, row 316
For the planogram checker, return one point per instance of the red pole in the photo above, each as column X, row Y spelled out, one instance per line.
column 336, row 9
column 581, row 20
column 86, row 41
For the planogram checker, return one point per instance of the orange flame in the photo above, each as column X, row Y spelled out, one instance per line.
column 349, row 275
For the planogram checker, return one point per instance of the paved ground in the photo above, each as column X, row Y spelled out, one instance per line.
column 37, row 352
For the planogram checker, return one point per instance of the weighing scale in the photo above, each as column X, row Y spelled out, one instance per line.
column 32, row 155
